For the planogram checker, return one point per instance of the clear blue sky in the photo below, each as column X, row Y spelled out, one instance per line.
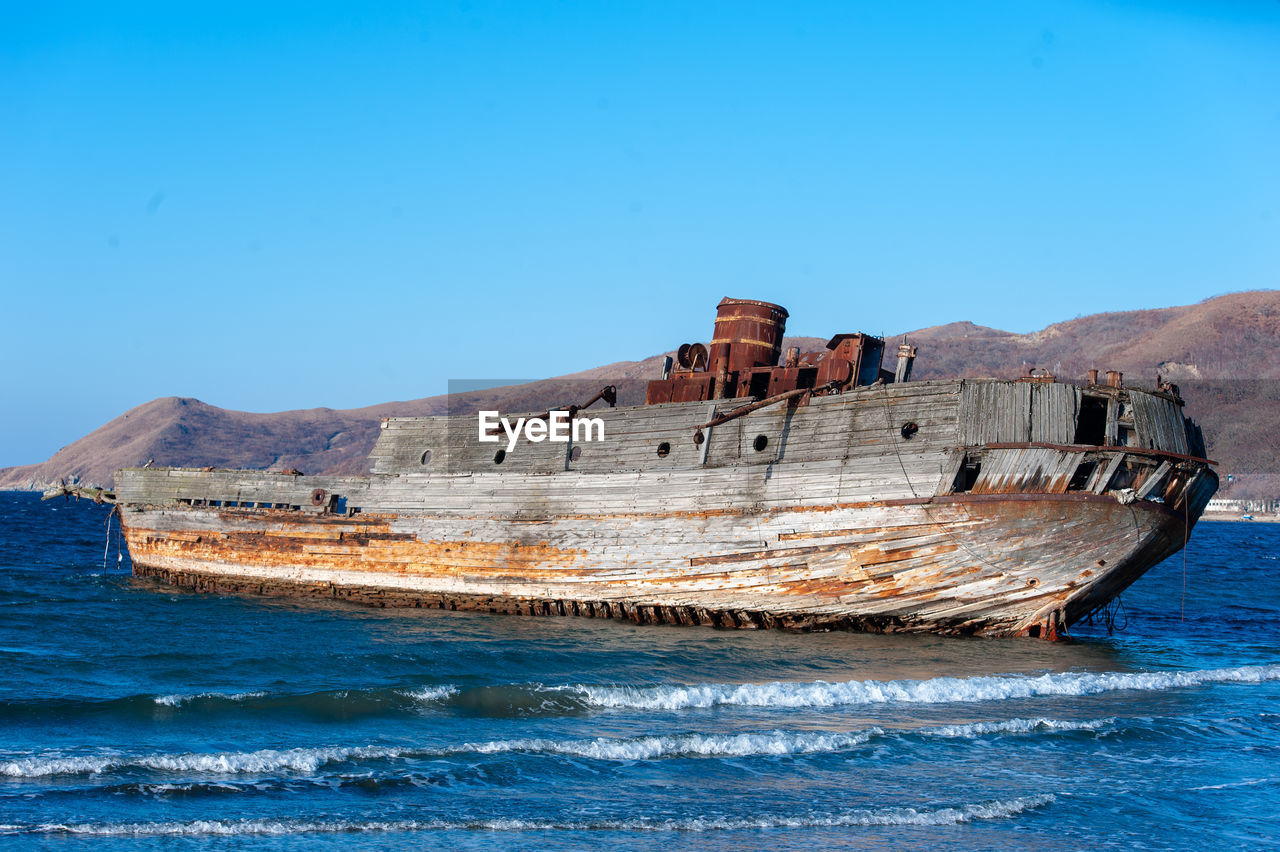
column 269, row 206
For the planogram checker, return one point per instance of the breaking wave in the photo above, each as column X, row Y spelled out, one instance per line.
column 989, row 810
column 429, row 694
column 177, row 700
column 942, row 690
column 533, row 699
column 310, row 760
column 222, row 763
column 775, row 743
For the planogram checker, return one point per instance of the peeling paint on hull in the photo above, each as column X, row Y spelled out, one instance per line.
column 972, row 566
column 978, row 520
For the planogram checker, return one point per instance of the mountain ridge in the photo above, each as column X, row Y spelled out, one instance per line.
column 1222, row 350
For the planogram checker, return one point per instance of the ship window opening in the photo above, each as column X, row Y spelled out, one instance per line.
column 760, row 443
column 575, row 454
column 1091, row 423
column 664, row 449
column 807, row 378
column 759, row 385
column 967, row 475
column 426, row 458
column 499, row 456
column 340, row 505
column 909, row 430
column 1081, row 477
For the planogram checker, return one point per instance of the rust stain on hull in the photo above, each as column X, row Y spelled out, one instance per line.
column 939, row 570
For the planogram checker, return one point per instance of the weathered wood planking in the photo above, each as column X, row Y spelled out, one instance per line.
column 847, row 511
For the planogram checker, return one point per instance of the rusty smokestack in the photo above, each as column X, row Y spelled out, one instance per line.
column 1093, row 377
column 753, row 331
column 1115, row 378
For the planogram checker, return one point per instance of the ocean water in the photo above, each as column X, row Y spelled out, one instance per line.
column 134, row 716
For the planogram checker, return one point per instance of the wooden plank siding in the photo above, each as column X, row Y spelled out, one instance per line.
column 843, row 517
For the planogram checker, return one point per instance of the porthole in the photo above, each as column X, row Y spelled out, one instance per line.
column 760, row 443
column 575, row 454
column 1033, row 582
column 426, row 458
column 499, row 456
column 664, row 450
column 909, row 430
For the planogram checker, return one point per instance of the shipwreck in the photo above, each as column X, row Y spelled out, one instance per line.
column 753, row 488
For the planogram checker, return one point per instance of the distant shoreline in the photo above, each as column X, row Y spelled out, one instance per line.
column 1236, row 516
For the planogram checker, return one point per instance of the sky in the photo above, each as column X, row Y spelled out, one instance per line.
column 277, row 206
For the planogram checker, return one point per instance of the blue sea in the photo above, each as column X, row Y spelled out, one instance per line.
column 134, row 716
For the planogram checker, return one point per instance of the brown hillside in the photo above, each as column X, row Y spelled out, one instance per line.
column 1229, row 337
column 1224, row 352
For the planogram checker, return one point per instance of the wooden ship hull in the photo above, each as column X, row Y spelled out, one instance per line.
column 985, row 507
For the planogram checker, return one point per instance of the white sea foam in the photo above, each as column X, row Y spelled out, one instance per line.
column 430, row 694
column 691, row 745
column 221, row 763
column 309, row 760
column 764, row 744
column 997, row 809
column 974, row 730
column 177, row 700
column 939, row 690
